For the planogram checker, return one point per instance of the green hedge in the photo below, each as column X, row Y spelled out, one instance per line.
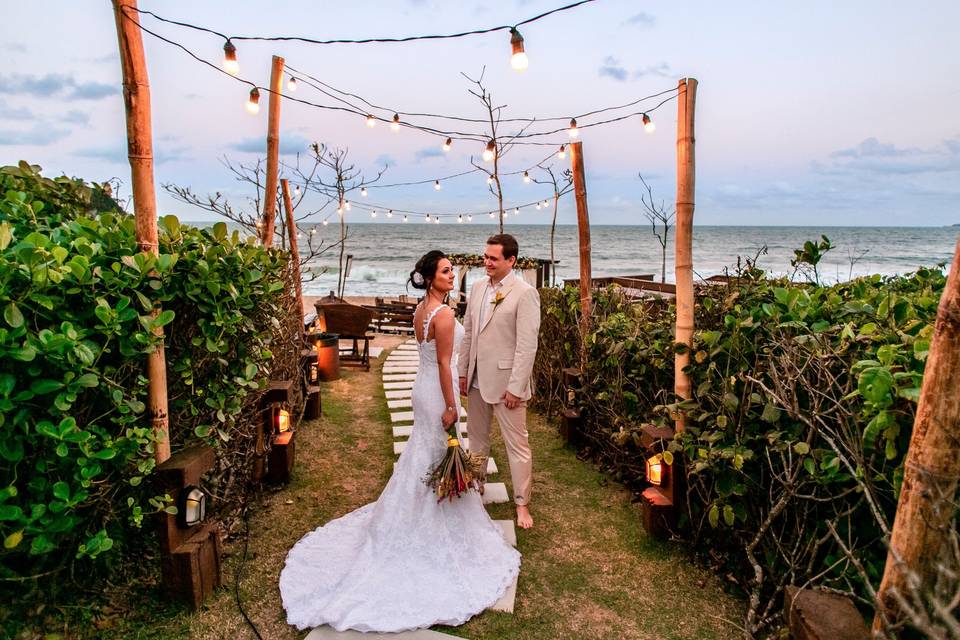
column 75, row 442
column 804, row 399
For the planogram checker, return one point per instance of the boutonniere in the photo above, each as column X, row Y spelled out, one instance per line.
column 497, row 299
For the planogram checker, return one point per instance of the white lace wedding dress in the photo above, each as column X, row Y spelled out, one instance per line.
column 404, row 561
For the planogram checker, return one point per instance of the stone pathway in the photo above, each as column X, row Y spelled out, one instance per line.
column 399, row 372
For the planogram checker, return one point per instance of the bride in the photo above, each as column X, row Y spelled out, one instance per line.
column 407, row 561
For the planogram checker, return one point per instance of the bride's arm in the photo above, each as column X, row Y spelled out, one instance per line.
column 443, row 328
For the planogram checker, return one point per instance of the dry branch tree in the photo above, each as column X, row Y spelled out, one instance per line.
column 344, row 178
column 660, row 218
column 247, row 216
column 562, row 185
column 502, row 145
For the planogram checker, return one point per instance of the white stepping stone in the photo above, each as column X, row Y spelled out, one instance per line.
column 400, row 368
column 491, row 468
column 390, row 363
column 495, row 493
column 376, row 352
column 400, row 445
column 328, row 633
column 396, row 377
column 400, row 404
column 399, row 393
column 407, row 416
column 509, row 531
column 509, row 598
column 405, row 385
column 403, row 355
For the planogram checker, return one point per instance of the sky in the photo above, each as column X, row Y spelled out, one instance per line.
column 814, row 113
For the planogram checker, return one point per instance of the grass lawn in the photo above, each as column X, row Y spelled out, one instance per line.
column 588, row 571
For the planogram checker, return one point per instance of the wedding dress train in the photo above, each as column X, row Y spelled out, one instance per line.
column 404, row 561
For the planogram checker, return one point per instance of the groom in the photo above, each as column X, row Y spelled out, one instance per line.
column 496, row 359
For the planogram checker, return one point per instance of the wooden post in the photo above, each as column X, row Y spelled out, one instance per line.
column 583, row 226
column 273, row 151
column 292, row 232
column 136, row 99
column 927, row 504
column 686, row 101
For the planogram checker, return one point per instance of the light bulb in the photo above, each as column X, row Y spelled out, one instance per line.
column 489, row 152
column 436, row 220
column 526, row 177
column 390, row 213
column 563, row 152
column 253, row 102
column 292, row 84
column 505, row 215
column 427, row 219
column 491, row 214
column 371, row 122
column 538, row 206
column 648, row 125
column 519, row 59
column 573, row 131
column 296, row 190
column 489, row 179
column 395, row 125
column 470, row 218
column 363, row 191
column 448, row 144
column 516, row 211
column 545, row 204
column 436, row 185
column 460, row 218
column 346, row 205
column 299, row 235
column 230, row 64
column 405, row 218
column 326, row 222
column 373, row 214
column 340, row 211
column 313, row 231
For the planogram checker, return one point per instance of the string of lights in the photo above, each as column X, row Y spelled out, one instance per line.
column 253, row 105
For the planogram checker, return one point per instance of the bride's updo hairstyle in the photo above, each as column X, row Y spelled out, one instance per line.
column 423, row 274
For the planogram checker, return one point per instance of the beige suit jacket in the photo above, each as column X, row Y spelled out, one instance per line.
column 503, row 348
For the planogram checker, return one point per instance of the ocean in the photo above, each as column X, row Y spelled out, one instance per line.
column 384, row 254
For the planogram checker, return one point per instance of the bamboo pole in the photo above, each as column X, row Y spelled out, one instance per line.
column 292, row 233
column 583, row 227
column 273, row 151
column 136, row 99
column 686, row 101
column 927, row 504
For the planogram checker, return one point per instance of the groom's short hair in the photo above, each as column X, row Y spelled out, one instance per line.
column 509, row 244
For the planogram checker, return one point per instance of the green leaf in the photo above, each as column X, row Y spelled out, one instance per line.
column 874, row 384
column 714, row 516
column 88, row 380
column 164, row 318
column 220, row 230
column 12, row 540
column 728, row 515
column 810, row 466
column 802, row 448
column 11, row 313
column 61, row 490
column 41, row 387
column 770, row 413
column 7, row 383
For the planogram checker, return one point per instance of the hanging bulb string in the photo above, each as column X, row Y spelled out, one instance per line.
column 528, row 120
column 369, row 206
column 519, row 139
column 448, row 36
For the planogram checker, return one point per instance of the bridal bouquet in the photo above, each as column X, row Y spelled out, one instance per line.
column 457, row 472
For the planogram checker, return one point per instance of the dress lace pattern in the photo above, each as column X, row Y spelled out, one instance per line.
column 404, row 561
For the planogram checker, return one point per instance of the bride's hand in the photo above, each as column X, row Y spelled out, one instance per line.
column 449, row 417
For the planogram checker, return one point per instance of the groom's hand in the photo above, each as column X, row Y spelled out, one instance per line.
column 463, row 386
column 511, row 401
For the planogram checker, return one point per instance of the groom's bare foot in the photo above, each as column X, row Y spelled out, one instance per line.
column 524, row 519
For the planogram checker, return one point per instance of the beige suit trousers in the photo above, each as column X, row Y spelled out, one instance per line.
column 513, row 428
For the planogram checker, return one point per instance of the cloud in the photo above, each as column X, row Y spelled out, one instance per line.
column 290, row 144
column 612, row 69
column 118, row 154
column 38, row 135
column 75, row 116
column 55, row 84
column 15, row 47
column 385, row 160
column 661, row 70
column 428, row 152
column 641, row 19
column 874, row 158
column 15, row 113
